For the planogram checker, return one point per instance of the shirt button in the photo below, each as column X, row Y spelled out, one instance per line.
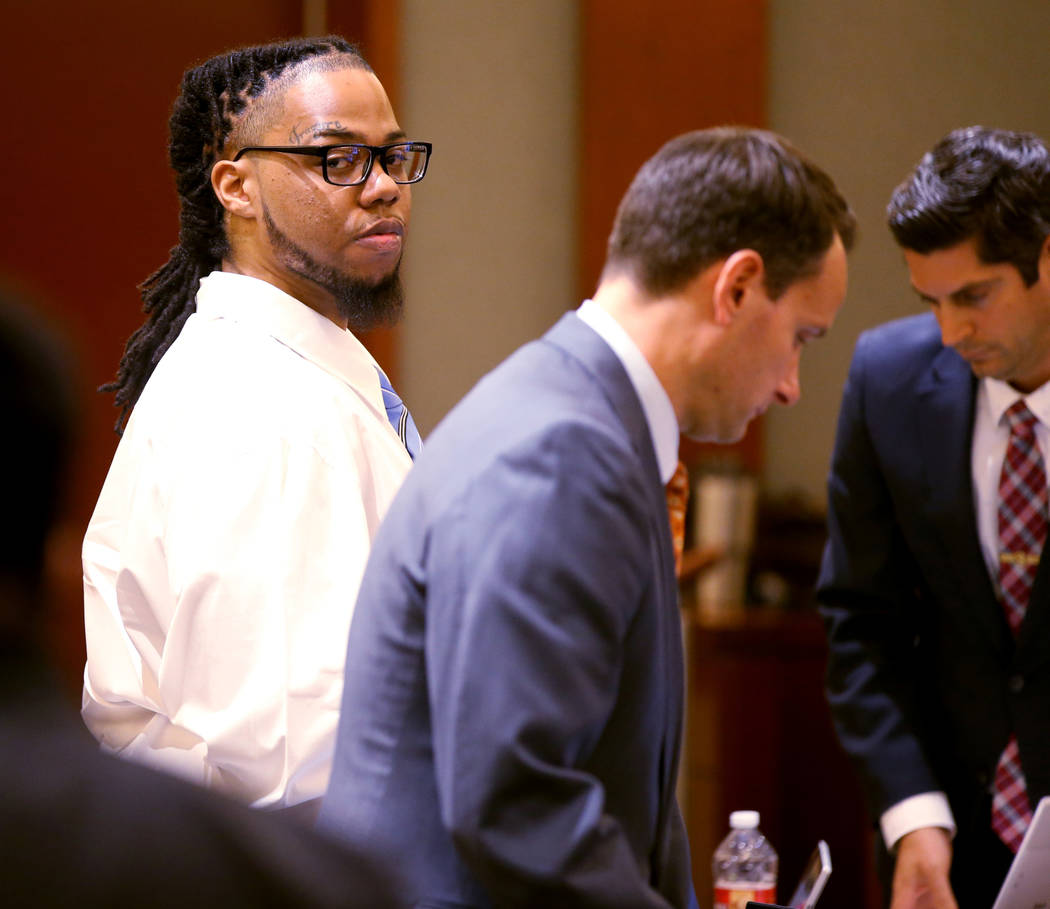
column 1016, row 683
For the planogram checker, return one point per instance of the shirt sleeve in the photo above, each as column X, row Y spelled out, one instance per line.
column 927, row 809
column 218, row 599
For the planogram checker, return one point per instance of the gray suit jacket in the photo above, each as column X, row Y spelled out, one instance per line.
column 512, row 714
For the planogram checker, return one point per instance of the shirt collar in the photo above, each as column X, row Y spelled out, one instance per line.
column 1000, row 396
column 259, row 305
column 659, row 413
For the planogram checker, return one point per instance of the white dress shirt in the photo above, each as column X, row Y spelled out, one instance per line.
column 991, row 435
column 659, row 412
column 223, row 558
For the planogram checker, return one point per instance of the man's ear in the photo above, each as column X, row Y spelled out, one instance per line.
column 739, row 277
column 234, row 186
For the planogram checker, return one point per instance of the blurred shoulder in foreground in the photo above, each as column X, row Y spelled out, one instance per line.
column 78, row 827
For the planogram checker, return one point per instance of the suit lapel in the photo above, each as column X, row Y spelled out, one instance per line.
column 947, row 394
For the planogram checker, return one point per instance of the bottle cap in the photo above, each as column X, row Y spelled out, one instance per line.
column 743, row 820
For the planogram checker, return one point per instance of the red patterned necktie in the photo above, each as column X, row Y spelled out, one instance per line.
column 677, row 499
column 1022, row 530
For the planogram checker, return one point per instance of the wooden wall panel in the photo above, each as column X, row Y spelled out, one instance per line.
column 647, row 76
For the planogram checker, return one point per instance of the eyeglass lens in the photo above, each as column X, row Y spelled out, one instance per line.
column 348, row 164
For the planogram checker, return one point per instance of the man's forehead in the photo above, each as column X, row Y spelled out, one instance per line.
column 942, row 272
column 335, row 103
column 316, row 92
column 268, row 117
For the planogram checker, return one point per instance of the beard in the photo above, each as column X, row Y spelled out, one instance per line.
column 364, row 304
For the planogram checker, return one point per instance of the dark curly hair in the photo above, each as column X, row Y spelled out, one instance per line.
column 991, row 185
column 212, row 98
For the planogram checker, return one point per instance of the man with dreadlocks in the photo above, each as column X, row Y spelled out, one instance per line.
column 261, row 442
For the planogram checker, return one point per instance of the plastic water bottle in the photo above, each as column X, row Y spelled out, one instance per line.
column 745, row 865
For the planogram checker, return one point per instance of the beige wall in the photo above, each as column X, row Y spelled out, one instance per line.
column 492, row 256
column 866, row 87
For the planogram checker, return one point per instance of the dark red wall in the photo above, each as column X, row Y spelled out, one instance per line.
column 644, row 79
column 88, row 201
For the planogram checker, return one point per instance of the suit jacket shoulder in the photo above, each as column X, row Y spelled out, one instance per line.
column 895, row 356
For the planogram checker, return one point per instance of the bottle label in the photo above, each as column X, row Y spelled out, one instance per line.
column 736, row 895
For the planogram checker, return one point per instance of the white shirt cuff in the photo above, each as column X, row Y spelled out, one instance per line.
column 928, row 809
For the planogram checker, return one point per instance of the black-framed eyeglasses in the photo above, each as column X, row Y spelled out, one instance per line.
column 348, row 165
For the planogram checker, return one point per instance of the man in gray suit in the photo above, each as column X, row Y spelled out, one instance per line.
column 512, row 718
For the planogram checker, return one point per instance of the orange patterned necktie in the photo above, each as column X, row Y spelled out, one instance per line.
column 677, row 500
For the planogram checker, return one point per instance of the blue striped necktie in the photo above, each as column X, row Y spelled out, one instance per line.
column 399, row 417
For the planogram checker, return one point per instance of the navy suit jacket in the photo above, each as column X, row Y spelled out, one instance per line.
column 512, row 714
column 925, row 679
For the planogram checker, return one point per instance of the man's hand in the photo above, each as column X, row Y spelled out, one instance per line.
column 920, row 880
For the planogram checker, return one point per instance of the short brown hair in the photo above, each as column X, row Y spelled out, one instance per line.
column 708, row 193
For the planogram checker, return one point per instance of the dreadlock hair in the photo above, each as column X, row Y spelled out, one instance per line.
column 211, row 98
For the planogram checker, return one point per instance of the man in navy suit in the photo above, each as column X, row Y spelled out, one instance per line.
column 931, row 682
column 512, row 719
